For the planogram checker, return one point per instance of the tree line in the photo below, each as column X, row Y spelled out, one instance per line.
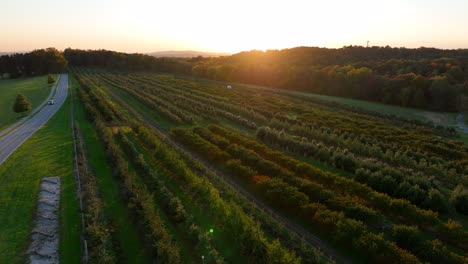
column 37, row 62
column 124, row 61
column 423, row 78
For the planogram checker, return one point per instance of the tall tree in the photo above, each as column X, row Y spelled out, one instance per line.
column 22, row 104
column 50, row 78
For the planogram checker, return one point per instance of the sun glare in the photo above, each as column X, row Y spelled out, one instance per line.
column 230, row 26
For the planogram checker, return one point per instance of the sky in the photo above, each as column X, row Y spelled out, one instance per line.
column 230, row 26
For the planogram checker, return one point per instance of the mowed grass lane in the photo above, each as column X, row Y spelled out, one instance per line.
column 126, row 234
column 47, row 153
column 35, row 89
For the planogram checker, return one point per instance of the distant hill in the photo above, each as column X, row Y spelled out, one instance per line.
column 11, row 52
column 187, row 54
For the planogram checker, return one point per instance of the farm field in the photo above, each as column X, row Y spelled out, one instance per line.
column 240, row 132
column 35, row 89
column 437, row 118
column 124, row 232
column 249, row 174
column 46, row 153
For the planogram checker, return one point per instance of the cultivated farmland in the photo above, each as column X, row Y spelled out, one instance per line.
column 191, row 168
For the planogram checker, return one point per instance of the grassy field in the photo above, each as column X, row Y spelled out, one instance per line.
column 125, row 231
column 35, row 89
column 46, row 153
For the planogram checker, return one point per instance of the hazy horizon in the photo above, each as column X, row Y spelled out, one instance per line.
column 143, row 26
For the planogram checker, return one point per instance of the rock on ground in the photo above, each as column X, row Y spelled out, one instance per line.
column 45, row 237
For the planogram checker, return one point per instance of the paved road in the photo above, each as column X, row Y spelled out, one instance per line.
column 22, row 120
column 461, row 123
column 10, row 142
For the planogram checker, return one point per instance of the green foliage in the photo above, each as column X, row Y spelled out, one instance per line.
column 138, row 199
column 36, row 62
column 344, row 171
column 459, row 199
column 34, row 88
column 236, row 168
column 436, row 201
column 47, row 152
column 249, row 237
column 444, row 96
column 50, row 79
column 283, row 194
column 98, row 231
column 407, row 236
column 392, row 78
column 22, row 104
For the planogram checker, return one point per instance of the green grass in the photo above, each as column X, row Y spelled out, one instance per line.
column 35, row 89
column 439, row 118
column 464, row 138
column 132, row 249
column 407, row 112
column 140, row 107
column 46, row 153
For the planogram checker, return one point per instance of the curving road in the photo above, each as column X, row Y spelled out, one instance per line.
column 10, row 142
column 22, row 120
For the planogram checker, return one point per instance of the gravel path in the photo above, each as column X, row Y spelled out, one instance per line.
column 45, row 236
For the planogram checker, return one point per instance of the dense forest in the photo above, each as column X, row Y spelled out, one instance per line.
column 123, row 61
column 426, row 78
column 37, row 62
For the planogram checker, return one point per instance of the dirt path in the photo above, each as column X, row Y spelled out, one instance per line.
column 461, row 123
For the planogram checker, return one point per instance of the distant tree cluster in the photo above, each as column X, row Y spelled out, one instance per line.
column 123, row 61
column 50, row 79
column 22, row 104
column 425, row 78
column 37, row 62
